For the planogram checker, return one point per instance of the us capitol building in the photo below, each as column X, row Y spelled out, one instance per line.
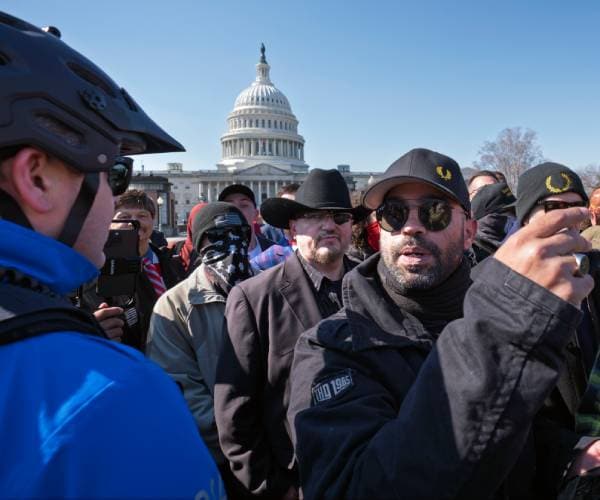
column 262, row 149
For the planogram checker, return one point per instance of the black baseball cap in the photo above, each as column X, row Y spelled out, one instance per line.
column 542, row 181
column 237, row 188
column 493, row 198
column 216, row 215
column 420, row 165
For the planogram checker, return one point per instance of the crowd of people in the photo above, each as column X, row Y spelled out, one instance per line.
column 426, row 338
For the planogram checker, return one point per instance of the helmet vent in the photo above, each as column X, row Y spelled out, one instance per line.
column 60, row 130
column 4, row 60
column 130, row 102
column 90, row 77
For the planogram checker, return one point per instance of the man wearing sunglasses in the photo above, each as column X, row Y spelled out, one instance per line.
column 425, row 384
column 80, row 415
column 543, row 189
column 264, row 317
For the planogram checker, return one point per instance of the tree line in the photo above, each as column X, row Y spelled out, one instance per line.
column 516, row 149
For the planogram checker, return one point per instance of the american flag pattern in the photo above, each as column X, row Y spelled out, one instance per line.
column 153, row 274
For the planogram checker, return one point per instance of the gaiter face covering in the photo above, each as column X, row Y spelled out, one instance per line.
column 225, row 257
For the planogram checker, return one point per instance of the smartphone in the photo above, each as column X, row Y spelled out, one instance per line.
column 119, row 274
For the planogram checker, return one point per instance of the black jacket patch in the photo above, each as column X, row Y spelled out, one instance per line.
column 331, row 387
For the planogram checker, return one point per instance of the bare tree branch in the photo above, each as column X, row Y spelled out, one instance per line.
column 590, row 176
column 514, row 151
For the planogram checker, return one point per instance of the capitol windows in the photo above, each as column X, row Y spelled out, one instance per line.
column 263, row 124
column 269, row 123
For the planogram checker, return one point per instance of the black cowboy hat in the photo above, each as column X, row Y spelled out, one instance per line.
column 322, row 190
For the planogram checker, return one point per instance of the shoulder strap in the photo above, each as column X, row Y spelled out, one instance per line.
column 26, row 313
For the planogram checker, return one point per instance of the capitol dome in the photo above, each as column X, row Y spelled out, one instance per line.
column 262, row 93
column 262, row 128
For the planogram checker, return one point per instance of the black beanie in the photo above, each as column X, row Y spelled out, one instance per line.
column 215, row 215
column 542, row 181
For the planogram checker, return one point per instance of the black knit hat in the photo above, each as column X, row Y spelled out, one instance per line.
column 321, row 190
column 237, row 188
column 424, row 165
column 493, row 198
column 216, row 215
column 542, row 181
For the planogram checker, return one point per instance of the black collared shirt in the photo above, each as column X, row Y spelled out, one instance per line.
column 328, row 293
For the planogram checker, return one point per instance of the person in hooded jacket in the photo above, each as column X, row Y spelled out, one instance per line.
column 186, row 328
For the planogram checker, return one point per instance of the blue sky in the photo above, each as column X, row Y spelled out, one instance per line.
column 368, row 81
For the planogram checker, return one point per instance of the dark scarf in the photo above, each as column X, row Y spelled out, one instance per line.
column 226, row 259
column 435, row 307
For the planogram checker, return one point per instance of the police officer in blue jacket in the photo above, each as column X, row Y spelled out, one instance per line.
column 81, row 416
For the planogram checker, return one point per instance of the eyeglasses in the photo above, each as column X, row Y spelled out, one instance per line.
column 119, row 175
column 338, row 217
column 434, row 214
column 550, row 205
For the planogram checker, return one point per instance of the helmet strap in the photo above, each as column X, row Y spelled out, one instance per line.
column 80, row 209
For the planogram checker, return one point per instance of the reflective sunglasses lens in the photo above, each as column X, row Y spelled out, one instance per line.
column 392, row 216
column 119, row 177
column 435, row 215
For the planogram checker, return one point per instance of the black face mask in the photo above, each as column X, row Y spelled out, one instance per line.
column 226, row 257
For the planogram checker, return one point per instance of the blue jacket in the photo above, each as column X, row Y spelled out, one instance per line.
column 83, row 416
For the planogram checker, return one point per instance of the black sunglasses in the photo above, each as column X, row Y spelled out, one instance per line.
column 550, row 205
column 119, row 175
column 338, row 217
column 434, row 214
column 214, row 235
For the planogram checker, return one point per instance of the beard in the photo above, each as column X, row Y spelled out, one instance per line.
column 327, row 254
column 421, row 276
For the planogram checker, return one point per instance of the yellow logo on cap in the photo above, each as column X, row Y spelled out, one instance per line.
column 446, row 176
column 566, row 186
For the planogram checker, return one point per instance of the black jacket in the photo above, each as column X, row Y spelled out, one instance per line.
column 380, row 409
column 264, row 316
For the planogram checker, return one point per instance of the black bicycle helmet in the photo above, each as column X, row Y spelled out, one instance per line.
column 54, row 98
